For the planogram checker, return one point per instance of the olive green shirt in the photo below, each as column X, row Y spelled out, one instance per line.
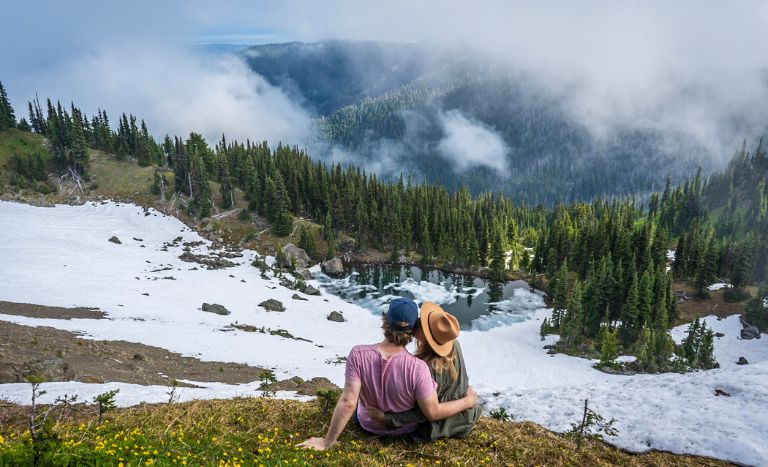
column 457, row 426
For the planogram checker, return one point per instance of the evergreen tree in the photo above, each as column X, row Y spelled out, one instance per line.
column 7, row 116
column 227, row 192
column 307, row 242
column 330, row 236
column 608, row 347
column 498, row 259
column 630, row 313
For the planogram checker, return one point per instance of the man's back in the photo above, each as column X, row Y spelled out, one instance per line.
column 392, row 384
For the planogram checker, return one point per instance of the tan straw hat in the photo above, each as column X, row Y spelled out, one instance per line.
column 439, row 328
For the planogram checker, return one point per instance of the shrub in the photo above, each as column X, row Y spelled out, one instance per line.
column 327, row 400
column 501, row 414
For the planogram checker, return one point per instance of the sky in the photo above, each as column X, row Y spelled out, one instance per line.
column 693, row 66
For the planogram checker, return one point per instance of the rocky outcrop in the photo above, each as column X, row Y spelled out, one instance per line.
column 336, row 316
column 333, row 267
column 298, row 297
column 272, row 305
column 294, row 256
column 310, row 290
column 302, row 273
column 215, row 308
column 115, row 240
column 210, row 262
column 742, row 361
column 306, row 388
column 750, row 332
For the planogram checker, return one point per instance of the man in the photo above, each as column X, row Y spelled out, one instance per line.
column 387, row 376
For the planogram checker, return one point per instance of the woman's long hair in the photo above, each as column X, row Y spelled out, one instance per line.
column 438, row 363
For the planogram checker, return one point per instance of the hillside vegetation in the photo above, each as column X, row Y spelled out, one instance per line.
column 604, row 263
column 261, row 431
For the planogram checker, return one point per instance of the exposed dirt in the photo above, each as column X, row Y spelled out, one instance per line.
column 62, row 356
column 692, row 306
column 54, row 312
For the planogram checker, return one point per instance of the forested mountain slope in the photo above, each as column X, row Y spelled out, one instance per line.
column 460, row 121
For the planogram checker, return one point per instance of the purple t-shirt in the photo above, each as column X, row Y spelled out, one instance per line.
column 392, row 385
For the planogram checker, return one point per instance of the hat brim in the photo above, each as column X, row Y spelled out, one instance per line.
column 441, row 349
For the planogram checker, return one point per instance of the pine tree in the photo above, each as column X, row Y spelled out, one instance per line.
column 630, row 314
column 572, row 324
column 7, row 116
column 706, row 355
column 559, row 291
column 307, row 242
column 545, row 328
column 201, row 189
column 498, row 260
column 330, row 236
column 608, row 347
column 227, row 192
column 755, row 311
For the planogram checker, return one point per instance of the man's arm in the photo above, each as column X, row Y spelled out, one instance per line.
column 434, row 410
column 345, row 407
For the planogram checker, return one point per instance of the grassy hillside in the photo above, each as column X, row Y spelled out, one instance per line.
column 14, row 141
column 259, row 431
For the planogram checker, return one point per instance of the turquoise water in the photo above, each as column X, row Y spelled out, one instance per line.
column 476, row 303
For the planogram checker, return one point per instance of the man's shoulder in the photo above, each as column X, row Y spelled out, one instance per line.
column 362, row 349
column 412, row 361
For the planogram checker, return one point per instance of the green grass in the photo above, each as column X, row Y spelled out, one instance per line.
column 258, row 431
column 14, row 141
column 116, row 178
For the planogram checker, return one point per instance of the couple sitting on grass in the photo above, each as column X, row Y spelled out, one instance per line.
column 391, row 392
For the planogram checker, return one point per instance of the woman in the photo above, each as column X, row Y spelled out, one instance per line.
column 437, row 345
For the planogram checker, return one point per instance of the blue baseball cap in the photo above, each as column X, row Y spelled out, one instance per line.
column 403, row 310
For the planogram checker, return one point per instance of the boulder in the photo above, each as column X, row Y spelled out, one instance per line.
column 336, row 316
column 333, row 267
column 116, row 240
column 310, row 290
column 302, row 273
column 294, row 256
column 272, row 305
column 215, row 308
column 742, row 361
column 750, row 332
column 298, row 297
column 50, row 369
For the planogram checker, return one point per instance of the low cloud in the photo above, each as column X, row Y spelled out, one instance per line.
column 177, row 91
column 468, row 144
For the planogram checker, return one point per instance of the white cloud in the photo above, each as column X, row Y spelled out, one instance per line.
column 177, row 91
column 468, row 143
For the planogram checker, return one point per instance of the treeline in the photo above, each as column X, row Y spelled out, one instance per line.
column 70, row 133
column 605, row 261
column 551, row 157
column 727, row 237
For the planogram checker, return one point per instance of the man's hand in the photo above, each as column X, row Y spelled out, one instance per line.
column 470, row 397
column 375, row 413
column 318, row 444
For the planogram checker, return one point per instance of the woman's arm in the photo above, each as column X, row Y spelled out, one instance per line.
column 341, row 415
column 435, row 410
column 395, row 420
